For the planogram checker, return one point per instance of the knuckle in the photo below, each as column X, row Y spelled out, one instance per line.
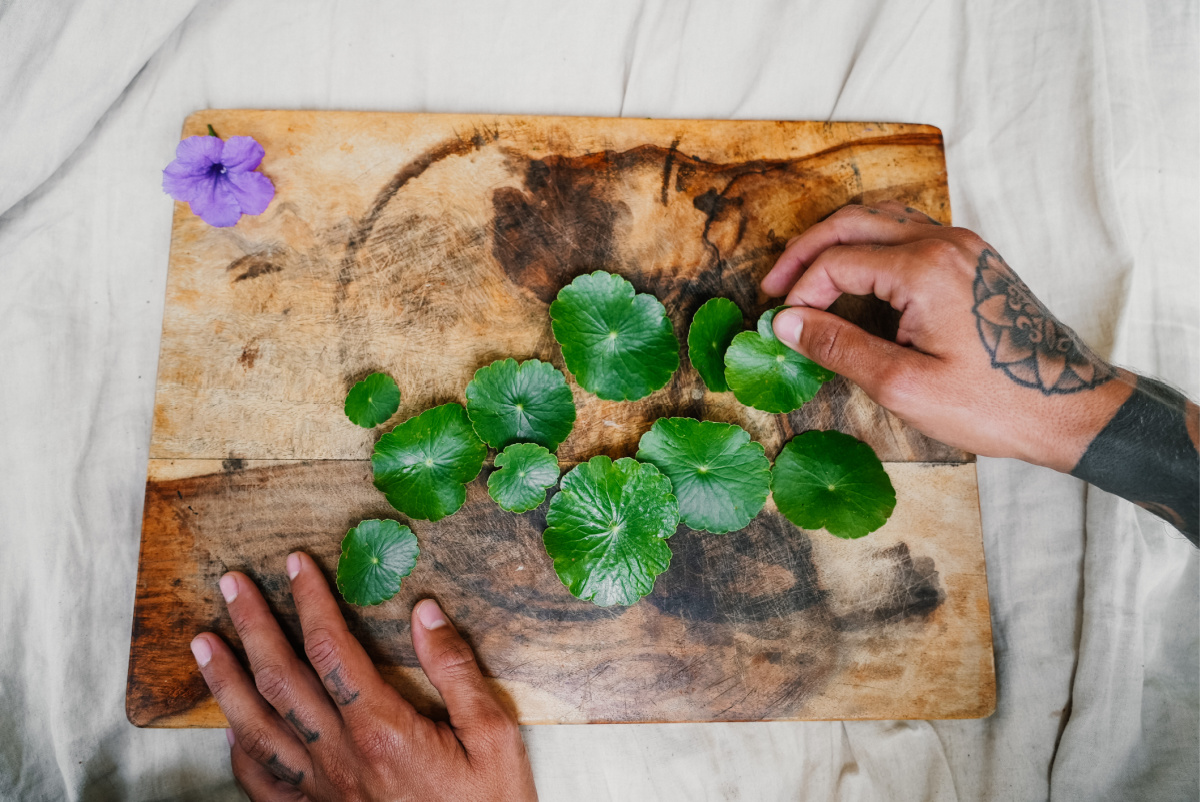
column 455, row 658
column 323, row 649
column 255, row 741
column 375, row 744
column 274, row 681
column 218, row 684
column 823, row 345
column 940, row 252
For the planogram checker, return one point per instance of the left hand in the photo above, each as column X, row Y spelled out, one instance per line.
column 330, row 727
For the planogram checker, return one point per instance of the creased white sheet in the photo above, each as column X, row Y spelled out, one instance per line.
column 1071, row 133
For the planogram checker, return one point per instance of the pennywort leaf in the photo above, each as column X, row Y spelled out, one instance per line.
column 373, row 400
column 619, row 344
column 524, row 472
column 831, row 480
column 767, row 375
column 526, row 403
column 719, row 475
column 376, row 556
column 607, row 527
column 713, row 328
column 423, row 465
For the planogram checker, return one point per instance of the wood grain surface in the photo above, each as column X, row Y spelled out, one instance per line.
column 427, row 246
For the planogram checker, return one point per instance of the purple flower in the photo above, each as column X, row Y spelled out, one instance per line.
column 217, row 178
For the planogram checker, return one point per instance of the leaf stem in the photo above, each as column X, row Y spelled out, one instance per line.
column 211, row 132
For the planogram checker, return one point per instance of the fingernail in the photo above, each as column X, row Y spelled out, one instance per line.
column 229, row 736
column 293, row 565
column 787, row 326
column 430, row 615
column 201, row 650
column 228, row 587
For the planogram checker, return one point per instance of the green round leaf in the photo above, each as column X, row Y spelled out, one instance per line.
column 423, row 465
column 526, row 403
column 765, row 374
column 618, row 344
column 606, row 529
column 713, row 329
column 719, row 475
column 831, row 480
column 373, row 400
column 376, row 556
column 525, row 471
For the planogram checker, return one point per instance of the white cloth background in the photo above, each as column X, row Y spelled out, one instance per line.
column 1071, row 134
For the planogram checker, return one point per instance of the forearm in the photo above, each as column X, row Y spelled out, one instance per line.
column 1146, row 452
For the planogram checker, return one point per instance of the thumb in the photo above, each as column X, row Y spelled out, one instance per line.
column 881, row 367
column 475, row 712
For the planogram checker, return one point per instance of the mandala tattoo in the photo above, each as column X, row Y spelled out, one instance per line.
column 1023, row 338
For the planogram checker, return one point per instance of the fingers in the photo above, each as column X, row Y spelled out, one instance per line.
column 258, row 729
column 475, row 713
column 256, row 781
column 854, row 269
column 286, row 683
column 886, row 371
column 850, row 225
column 345, row 669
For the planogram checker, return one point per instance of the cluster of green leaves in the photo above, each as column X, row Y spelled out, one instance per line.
column 607, row 527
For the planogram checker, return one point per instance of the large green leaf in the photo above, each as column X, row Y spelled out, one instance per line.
column 719, row 475
column 423, row 465
column 606, row 529
column 765, row 374
column 524, row 472
column 526, row 403
column 831, row 480
column 619, row 344
column 713, row 328
column 373, row 400
column 376, row 556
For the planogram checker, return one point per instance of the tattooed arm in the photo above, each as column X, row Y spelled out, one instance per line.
column 979, row 362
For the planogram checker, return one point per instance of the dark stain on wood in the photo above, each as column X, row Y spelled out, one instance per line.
column 729, row 602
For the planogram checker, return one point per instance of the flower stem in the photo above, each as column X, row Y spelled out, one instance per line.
column 211, row 132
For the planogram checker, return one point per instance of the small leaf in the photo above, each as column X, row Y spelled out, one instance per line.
column 619, row 344
column 607, row 529
column 373, row 400
column 765, row 374
column 713, row 329
column 423, row 465
column 524, row 472
column 376, row 556
column 526, row 403
column 719, row 475
column 831, row 480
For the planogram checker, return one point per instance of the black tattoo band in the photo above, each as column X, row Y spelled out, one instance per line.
column 337, row 688
column 1025, row 340
column 304, row 732
column 1147, row 454
column 283, row 772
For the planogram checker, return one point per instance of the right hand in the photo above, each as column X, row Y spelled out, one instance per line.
column 978, row 362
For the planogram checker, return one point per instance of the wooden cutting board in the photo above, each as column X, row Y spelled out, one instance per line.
column 427, row 246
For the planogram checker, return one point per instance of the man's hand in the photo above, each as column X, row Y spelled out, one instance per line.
column 329, row 727
column 979, row 362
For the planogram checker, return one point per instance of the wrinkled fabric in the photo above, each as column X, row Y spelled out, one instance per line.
column 1070, row 132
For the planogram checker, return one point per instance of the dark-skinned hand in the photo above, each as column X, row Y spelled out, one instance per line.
column 326, row 726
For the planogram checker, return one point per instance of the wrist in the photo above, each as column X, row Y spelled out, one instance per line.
column 1071, row 422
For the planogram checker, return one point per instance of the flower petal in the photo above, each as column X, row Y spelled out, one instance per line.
column 215, row 203
column 241, row 154
column 252, row 190
column 199, row 152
